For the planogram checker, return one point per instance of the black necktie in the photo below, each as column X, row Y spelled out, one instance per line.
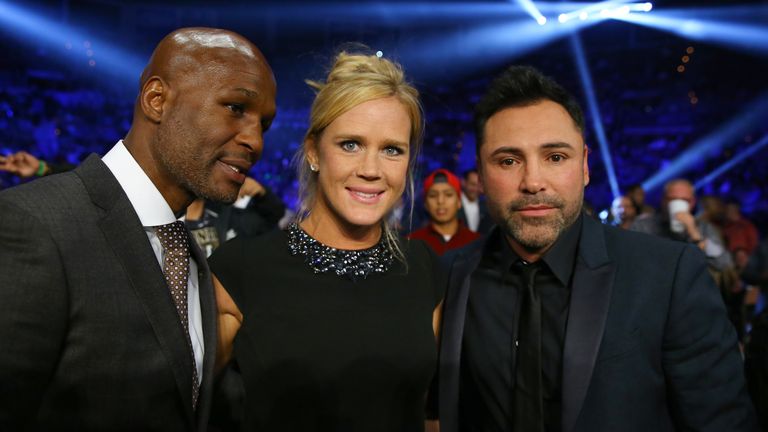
column 173, row 237
column 529, row 405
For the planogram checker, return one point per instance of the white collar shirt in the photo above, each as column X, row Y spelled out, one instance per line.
column 153, row 210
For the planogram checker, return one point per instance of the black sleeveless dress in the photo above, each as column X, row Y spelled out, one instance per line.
column 324, row 352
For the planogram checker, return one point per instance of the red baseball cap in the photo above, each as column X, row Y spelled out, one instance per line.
column 442, row 175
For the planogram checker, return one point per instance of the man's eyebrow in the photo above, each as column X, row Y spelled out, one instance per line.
column 557, row 145
column 547, row 146
column 507, row 150
column 247, row 92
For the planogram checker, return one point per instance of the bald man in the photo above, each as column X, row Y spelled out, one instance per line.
column 92, row 338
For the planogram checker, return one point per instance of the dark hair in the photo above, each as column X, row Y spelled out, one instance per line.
column 468, row 172
column 522, row 86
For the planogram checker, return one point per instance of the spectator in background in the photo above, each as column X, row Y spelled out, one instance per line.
column 739, row 232
column 756, row 351
column 256, row 211
column 442, row 200
column 25, row 165
column 712, row 210
column 473, row 211
column 623, row 212
column 679, row 198
column 637, row 195
column 675, row 221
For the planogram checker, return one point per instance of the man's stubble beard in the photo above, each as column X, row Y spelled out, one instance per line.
column 538, row 233
column 182, row 162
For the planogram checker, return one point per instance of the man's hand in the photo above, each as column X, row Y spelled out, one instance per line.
column 20, row 163
column 251, row 188
column 691, row 229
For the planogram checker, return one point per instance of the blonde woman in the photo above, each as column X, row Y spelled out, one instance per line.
column 332, row 322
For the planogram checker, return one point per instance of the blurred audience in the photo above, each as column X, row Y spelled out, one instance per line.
column 23, row 164
column 442, row 200
column 256, row 211
column 739, row 232
column 636, row 194
column 623, row 212
column 473, row 211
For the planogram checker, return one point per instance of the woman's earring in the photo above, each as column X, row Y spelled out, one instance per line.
column 313, row 167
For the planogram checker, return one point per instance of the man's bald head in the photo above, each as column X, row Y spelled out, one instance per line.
column 207, row 96
column 190, row 50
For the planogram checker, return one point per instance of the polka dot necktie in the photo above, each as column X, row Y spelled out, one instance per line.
column 173, row 237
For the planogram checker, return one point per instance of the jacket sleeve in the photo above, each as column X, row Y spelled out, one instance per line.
column 701, row 361
column 33, row 313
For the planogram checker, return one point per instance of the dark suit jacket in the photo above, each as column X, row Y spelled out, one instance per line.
column 648, row 346
column 89, row 337
column 485, row 224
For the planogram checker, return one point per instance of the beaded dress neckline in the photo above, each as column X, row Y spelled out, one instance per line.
column 349, row 263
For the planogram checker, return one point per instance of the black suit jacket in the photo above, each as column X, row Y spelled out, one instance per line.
column 91, row 340
column 648, row 346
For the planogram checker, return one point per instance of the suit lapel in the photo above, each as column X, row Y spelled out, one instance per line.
column 590, row 301
column 454, row 315
column 210, row 315
column 125, row 234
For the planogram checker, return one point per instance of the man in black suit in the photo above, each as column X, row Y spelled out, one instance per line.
column 92, row 339
column 559, row 323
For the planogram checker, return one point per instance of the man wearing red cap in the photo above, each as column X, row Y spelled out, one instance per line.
column 442, row 200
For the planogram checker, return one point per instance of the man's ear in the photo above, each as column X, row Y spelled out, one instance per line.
column 152, row 98
column 586, row 165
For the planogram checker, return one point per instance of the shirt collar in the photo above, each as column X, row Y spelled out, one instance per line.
column 560, row 258
column 146, row 200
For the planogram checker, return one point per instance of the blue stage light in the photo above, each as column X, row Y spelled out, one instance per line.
column 594, row 110
column 736, row 29
column 74, row 46
column 752, row 116
column 740, row 157
column 496, row 44
column 601, row 10
column 532, row 10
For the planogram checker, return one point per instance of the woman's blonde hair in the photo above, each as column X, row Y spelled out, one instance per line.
column 353, row 80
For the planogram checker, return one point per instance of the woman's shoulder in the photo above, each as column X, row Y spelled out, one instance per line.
column 417, row 251
column 424, row 264
column 265, row 243
column 255, row 249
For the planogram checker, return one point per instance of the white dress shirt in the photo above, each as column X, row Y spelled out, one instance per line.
column 471, row 211
column 153, row 210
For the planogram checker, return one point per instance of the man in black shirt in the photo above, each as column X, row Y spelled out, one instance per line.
column 558, row 323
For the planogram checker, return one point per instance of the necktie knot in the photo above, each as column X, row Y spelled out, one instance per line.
column 528, row 275
column 173, row 237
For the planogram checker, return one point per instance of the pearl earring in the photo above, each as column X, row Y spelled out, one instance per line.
column 313, row 167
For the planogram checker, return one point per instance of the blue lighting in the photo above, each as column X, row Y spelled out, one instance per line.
column 495, row 45
column 601, row 10
column 752, row 116
column 594, row 110
column 719, row 30
column 751, row 150
column 532, row 11
column 73, row 45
